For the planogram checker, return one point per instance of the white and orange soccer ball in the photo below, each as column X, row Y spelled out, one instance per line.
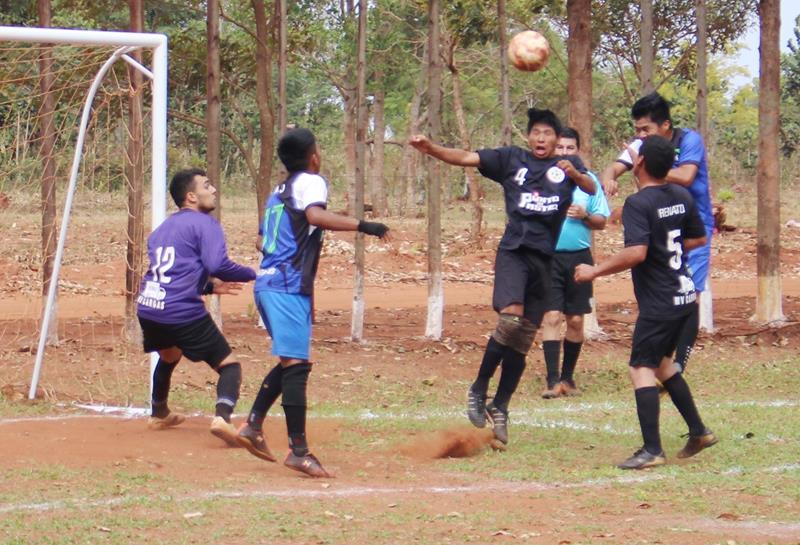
column 528, row 51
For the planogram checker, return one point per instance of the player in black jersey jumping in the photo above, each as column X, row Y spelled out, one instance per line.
column 661, row 224
column 538, row 187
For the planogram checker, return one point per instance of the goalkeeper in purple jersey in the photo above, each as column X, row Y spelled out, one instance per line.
column 188, row 259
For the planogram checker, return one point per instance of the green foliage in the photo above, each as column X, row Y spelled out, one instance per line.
column 790, row 91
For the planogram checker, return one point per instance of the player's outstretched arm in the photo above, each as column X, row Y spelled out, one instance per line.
column 451, row 156
column 621, row 261
column 683, row 175
column 214, row 256
column 583, row 180
column 324, row 219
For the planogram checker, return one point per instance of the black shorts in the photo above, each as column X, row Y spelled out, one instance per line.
column 522, row 276
column 566, row 295
column 656, row 338
column 199, row 340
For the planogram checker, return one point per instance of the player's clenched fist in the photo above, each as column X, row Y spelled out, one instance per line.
column 584, row 273
column 375, row 229
column 568, row 168
column 420, row 142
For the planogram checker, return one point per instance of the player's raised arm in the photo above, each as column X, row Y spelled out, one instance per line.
column 452, row 156
column 583, row 180
column 610, row 176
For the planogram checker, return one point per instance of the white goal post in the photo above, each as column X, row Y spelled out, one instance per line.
column 126, row 42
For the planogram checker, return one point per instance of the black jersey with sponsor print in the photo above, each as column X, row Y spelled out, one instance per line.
column 537, row 195
column 661, row 217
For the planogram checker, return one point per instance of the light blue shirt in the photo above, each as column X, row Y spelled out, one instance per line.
column 575, row 235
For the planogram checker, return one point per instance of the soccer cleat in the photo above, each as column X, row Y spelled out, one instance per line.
column 696, row 443
column 224, row 430
column 553, row 390
column 255, row 443
column 642, row 459
column 476, row 408
column 499, row 420
column 307, row 464
column 170, row 421
column 568, row 388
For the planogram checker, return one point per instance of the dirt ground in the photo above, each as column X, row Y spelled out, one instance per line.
column 93, row 364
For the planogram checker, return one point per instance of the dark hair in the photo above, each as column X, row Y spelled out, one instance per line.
column 654, row 106
column 546, row 117
column 658, row 154
column 295, row 148
column 569, row 132
column 182, row 183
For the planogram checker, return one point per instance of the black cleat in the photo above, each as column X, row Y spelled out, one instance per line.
column 307, row 464
column 476, row 408
column 499, row 420
column 642, row 459
column 696, row 443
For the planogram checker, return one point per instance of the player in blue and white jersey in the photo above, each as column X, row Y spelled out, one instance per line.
column 290, row 241
column 537, row 186
column 189, row 258
column 651, row 116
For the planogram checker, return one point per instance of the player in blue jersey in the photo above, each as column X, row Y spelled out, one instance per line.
column 651, row 116
column 189, row 258
column 290, row 240
column 661, row 224
column 567, row 299
column 537, row 186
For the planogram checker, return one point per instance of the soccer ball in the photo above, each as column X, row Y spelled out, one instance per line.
column 528, row 51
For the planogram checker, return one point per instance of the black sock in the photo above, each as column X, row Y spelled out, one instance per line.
column 296, row 428
column 511, row 372
column 686, row 340
column 230, row 379
column 571, row 352
column 492, row 357
column 162, row 376
column 270, row 390
column 552, row 351
column 647, row 407
column 682, row 398
column 294, row 383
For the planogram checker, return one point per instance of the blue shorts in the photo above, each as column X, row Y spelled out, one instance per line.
column 287, row 317
column 698, row 261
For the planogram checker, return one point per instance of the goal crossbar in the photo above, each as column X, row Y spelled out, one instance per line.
column 126, row 42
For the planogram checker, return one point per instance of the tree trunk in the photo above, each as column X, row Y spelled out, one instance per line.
column 579, row 65
column 357, row 324
column 475, row 193
column 48, row 189
column 408, row 166
column 433, row 326
column 282, row 65
column 134, row 173
column 266, row 115
column 768, row 301
column 213, row 106
column 706, row 303
column 648, row 55
column 349, row 123
column 505, row 88
column 380, row 203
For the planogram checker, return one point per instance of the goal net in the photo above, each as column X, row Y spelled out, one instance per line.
column 85, row 112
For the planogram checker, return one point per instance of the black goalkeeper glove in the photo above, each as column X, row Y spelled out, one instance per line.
column 372, row 228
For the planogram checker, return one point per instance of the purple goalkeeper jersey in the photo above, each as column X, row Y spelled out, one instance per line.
column 184, row 251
